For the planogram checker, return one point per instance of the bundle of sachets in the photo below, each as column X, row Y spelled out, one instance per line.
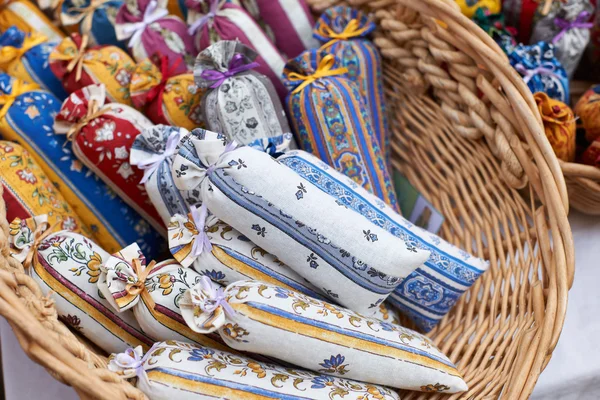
column 165, row 97
column 567, row 26
column 214, row 20
column 253, row 316
column 331, row 119
column 239, row 102
column 428, row 293
column 102, row 135
column 150, row 30
column 27, row 116
column 93, row 18
column 25, row 56
column 27, row 191
column 350, row 259
column 540, row 70
column 344, row 32
column 77, row 65
column 290, row 22
column 153, row 291
column 27, row 17
column 177, row 370
column 67, row 263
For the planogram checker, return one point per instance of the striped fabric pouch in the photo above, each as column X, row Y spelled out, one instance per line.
column 177, row 370
column 239, row 102
column 331, row 119
column 252, row 316
column 344, row 32
column 25, row 56
column 214, row 20
column 355, row 262
column 27, row 117
column 69, row 264
column 153, row 291
column 93, row 18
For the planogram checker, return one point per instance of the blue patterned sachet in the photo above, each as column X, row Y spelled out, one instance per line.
column 429, row 292
column 541, row 70
column 345, row 32
column 93, row 18
column 330, row 119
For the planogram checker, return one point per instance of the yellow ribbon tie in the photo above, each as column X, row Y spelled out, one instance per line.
column 76, row 60
column 351, row 30
column 324, row 69
column 87, row 14
column 93, row 112
column 18, row 88
column 139, row 288
column 11, row 53
column 40, row 233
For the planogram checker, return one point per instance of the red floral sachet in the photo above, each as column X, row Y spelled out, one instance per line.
column 102, row 135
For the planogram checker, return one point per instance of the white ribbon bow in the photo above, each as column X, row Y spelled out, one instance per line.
column 151, row 164
column 135, row 30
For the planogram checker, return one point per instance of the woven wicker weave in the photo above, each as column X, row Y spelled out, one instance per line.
column 467, row 134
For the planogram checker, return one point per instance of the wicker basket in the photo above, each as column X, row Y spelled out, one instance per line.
column 467, row 134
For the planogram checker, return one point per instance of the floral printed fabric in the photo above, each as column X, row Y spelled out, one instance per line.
column 244, row 106
column 528, row 60
column 167, row 99
column 25, row 56
column 108, row 65
column 28, row 18
column 27, row 191
column 102, row 141
column 559, row 125
column 153, row 151
column 94, row 18
column 570, row 45
column 351, row 260
column 331, row 120
column 251, row 316
column 232, row 256
column 360, row 57
column 172, row 368
column 494, row 25
column 290, row 21
column 29, row 120
column 428, row 293
column 154, row 296
column 231, row 22
column 588, row 111
column 69, row 264
column 470, row 7
column 151, row 30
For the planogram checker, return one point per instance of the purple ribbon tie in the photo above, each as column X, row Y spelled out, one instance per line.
column 200, row 22
column 202, row 241
column 236, row 66
column 216, row 299
column 530, row 73
column 565, row 25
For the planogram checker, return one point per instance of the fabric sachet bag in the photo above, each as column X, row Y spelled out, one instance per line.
column 213, row 20
column 102, row 135
column 540, row 70
column 28, row 192
column 239, row 102
column 429, row 292
column 153, row 292
column 471, row 7
column 27, row 117
column 78, row 66
column 93, row 18
column 25, row 56
column 559, row 125
column 344, row 32
column 520, row 14
column 351, row 260
column 66, row 265
column 591, row 155
column 151, row 30
column 153, row 152
column 177, row 370
column 230, row 256
column 177, row 8
column 252, row 316
column 166, row 98
column 290, row 21
column 330, row 119
column 588, row 111
column 495, row 26
column 567, row 27
column 28, row 18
